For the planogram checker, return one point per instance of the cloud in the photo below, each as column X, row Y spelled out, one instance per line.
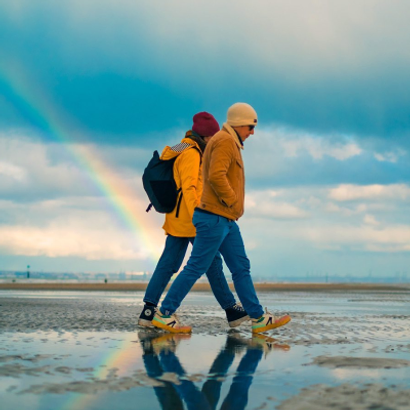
column 12, row 171
column 359, row 238
column 32, row 170
column 279, row 156
column 304, row 218
column 370, row 220
column 296, row 143
column 347, row 192
column 63, row 207
column 74, row 227
column 392, row 156
column 265, row 204
column 78, row 241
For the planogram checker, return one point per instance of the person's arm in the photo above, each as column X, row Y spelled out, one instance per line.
column 222, row 156
column 188, row 169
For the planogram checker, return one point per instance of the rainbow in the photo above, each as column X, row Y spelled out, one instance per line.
column 125, row 357
column 123, row 200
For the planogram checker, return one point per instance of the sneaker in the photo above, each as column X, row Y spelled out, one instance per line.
column 236, row 314
column 146, row 316
column 268, row 321
column 170, row 323
column 236, row 342
column 145, row 338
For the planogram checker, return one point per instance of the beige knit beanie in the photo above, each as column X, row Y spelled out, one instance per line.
column 241, row 114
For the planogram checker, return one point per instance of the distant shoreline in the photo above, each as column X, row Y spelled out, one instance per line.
column 204, row 287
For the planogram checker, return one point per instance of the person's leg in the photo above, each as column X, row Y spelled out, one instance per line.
column 233, row 252
column 193, row 397
column 235, row 313
column 237, row 397
column 219, row 285
column 168, row 264
column 166, row 394
column 217, row 373
column 210, row 232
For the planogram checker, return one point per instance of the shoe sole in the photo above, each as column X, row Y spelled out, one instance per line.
column 145, row 323
column 280, row 323
column 237, row 322
column 171, row 329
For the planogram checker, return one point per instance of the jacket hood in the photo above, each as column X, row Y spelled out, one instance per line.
column 172, row 152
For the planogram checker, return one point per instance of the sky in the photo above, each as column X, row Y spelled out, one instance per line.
column 88, row 90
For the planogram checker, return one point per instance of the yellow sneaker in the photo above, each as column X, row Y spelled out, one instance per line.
column 169, row 323
column 268, row 321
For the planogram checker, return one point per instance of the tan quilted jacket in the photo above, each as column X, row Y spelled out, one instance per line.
column 223, row 175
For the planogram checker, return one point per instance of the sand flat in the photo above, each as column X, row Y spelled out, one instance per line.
column 342, row 350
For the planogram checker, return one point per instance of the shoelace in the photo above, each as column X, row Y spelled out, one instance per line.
column 237, row 306
column 268, row 313
column 174, row 314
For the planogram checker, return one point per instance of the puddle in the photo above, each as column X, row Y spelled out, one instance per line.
column 153, row 370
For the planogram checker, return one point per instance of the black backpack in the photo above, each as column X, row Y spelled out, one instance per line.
column 159, row 184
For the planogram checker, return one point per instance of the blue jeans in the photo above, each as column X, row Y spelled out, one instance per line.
column 167, row 395
column 170, row 262
column 237, row 398
column 213, row 233
column 193, row 397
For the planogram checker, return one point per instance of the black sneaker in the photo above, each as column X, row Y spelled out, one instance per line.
column 235, row 342
column 236, row 315
column 146, row 337
column 146, row 316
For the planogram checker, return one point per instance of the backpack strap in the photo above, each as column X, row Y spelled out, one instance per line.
column 179, row 202
column 186, row 146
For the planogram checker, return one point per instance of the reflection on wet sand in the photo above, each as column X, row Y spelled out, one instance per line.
column 162, row 363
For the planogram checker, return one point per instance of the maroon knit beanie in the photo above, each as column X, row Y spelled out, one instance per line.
column 205, row 124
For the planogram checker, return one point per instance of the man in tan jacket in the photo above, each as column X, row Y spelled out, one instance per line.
column 222, row 203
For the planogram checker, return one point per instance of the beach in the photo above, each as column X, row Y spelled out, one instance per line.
column 347, row 347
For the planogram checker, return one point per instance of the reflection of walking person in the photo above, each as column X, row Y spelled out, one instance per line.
column 166, row 394
column 237, row 397
column 179, row 228
column 160, row 357
column 222, row 203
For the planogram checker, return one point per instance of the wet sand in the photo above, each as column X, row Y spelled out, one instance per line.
column 342, row 350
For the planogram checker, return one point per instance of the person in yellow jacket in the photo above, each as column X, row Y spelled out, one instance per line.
column 179, row 228
column 221, row 205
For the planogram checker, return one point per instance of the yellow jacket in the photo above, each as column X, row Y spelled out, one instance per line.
column 224, row 175
column 187, row 174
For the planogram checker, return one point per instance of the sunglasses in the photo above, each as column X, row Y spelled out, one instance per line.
column 251, row 127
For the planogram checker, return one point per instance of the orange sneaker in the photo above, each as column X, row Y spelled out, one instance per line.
column 268, row 321
column 169, row 323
